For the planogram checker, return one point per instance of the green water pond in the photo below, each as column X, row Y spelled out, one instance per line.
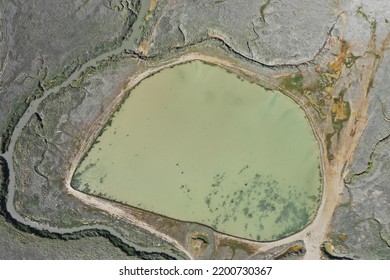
column 196, row 143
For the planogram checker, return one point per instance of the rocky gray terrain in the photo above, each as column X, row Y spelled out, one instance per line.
column 42, row 43
column 331, row 57
column 366, row 199
column 268, row 32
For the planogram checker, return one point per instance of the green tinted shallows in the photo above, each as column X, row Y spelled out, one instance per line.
column 198, row 144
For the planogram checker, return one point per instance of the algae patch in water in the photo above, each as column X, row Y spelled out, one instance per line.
column 196, row 143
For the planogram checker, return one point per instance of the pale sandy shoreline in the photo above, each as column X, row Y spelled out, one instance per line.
column 313, row 235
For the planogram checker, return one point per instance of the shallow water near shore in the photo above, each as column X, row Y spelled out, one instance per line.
column 198, row 144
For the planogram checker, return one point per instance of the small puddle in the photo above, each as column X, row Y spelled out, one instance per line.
column 196, row 143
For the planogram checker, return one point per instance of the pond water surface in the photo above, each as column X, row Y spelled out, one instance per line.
column 198, row 144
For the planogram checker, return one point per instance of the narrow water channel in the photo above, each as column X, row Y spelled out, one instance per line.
column 196, row 143
column 129, row 44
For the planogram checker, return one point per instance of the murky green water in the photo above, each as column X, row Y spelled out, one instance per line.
column 198, row 144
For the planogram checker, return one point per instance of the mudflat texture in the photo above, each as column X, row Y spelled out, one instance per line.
column 50, row 141
column 332, row 57
column 42, row 43
column 18, row 245
column 269, row 32
column 361, row 227
column 361, row 224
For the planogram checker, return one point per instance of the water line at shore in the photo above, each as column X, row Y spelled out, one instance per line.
column 128, row 44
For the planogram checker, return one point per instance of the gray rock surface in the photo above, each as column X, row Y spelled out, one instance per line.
column 266, row 31
column 361, row 224
column 378, row 126
column 50, row 142
column 364, row 218
column 42, row 42
column 21, row 245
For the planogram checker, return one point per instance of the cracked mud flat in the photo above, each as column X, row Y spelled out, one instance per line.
column 331, row 57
